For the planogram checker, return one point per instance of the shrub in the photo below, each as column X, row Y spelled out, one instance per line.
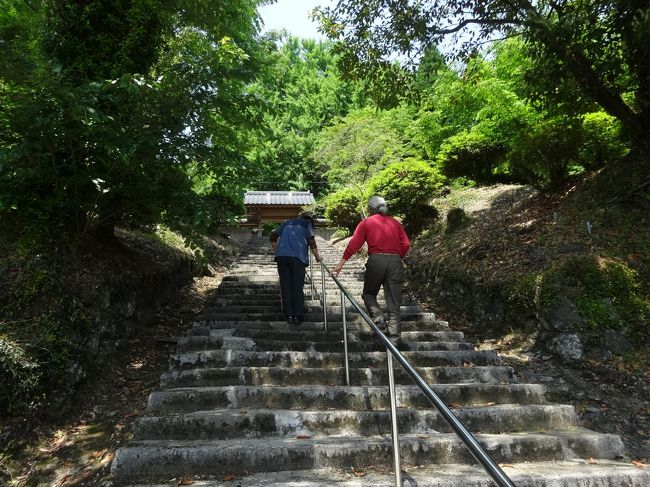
column 456, row 219
column 19, row 378
column 472, row 155
column 267, row 228
column 607, row 294
column 406, row 184
column 343, row 208
column 543, row 155
column 601, row 140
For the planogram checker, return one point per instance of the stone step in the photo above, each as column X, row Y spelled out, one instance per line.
column 570, row 473
column 315, row 397
column 300, row 333
column 226, row 376
column 165, row 459
column 311, row 308
column 201, row 342
column 239, row 358
column 407, row 326
column 277, row 315
column 434, row 332
column 260, row 423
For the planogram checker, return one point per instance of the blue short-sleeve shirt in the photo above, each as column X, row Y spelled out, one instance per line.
column 293, row 236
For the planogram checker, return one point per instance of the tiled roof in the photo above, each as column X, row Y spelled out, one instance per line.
column 297, row 198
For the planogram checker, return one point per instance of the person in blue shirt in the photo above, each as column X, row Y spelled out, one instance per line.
column 290, row 242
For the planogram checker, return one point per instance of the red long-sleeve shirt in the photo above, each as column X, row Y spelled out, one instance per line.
column 384, row 235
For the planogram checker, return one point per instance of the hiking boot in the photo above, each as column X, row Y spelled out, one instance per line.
column 381, row 324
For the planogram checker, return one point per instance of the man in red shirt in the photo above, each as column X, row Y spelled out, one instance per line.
column 387, row 245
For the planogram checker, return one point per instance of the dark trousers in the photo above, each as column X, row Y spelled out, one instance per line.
column 292, row 281
column 387, row 271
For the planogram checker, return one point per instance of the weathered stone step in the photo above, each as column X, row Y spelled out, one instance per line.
column 276, row 315
column 164, row 459
column 331, row 376
column 570, row 473
column 301, row 333
column 224, row 424
column 357, row 342
column 338, row 397
column 310, row 309
column 201, row 342
column 407, row 326
column 238, row 358
column 433, row 333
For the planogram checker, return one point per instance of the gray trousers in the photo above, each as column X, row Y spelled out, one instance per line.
column 387, row 271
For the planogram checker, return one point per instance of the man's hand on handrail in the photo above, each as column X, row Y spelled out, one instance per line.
column 337, row 269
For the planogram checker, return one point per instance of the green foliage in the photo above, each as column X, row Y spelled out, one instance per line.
column 601, row 140
column 581, row 51
column 267, row 228
column 20, row 377
column 537, row 293
column 471, row 154
column 408, row 187
column 301, row 92
column 470, row 122
column 363, row 143
column 462, row 182
column 344, row 208
column 122, row 113
column 44, row 336
column 102, row 39
column 544, row 154
column 607, row 294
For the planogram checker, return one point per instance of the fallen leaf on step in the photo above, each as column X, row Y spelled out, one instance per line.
column 243, row 412
column 423, row 436
column 358, row 473
column 230, row 477
column 639, row 464
column 303, row 437
column 186, row 480
column 591, row 461
column 455, row 405
column 504, row 465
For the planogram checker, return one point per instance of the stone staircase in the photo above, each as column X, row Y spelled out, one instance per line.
column 250, row 400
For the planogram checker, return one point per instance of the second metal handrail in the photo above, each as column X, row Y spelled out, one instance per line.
column 490, row 466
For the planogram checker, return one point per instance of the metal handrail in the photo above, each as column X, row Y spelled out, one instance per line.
column 490, row 466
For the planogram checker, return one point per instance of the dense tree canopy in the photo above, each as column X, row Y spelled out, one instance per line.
column 302, row 93
column 117, row 112
column 600, row 44
column 117, row 107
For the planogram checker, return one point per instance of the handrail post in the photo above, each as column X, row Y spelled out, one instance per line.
column 323, row 295
column 393, row 419
column 345, row 340
column 311, row 276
